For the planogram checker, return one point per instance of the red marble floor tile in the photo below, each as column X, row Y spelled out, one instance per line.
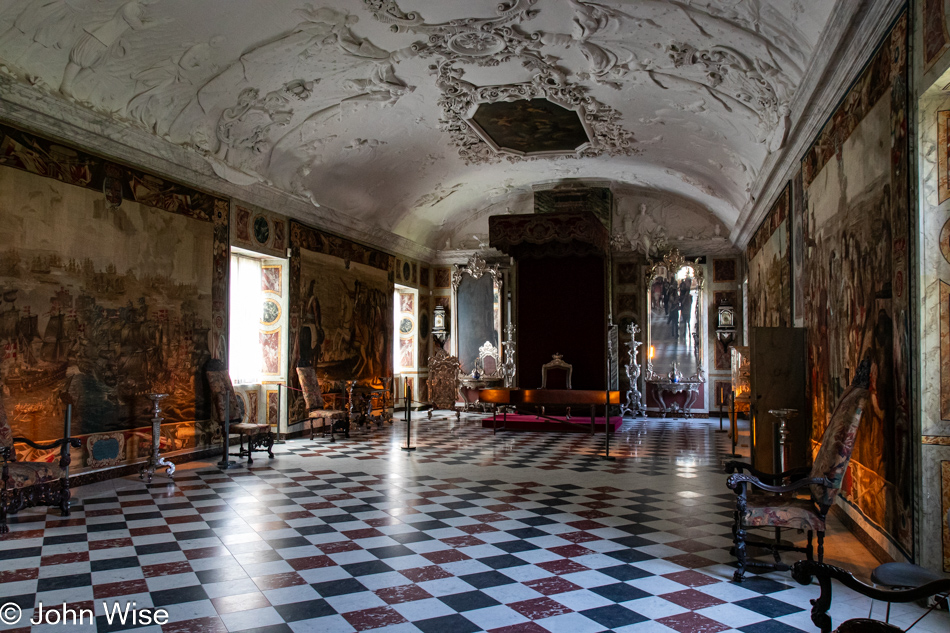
column 64, row 559
column 512, row 499
column 16, row 575
column 298, row 514
column 381, row 521
column 428, row 494
column 338, row 546
column 561, row 567
column 570, row 551
column 585, row 525
column 490, row 518
column 193, row 487
column 462, row 541
column 25, row 534
column 205, row 552
column 690, row 622
column 211, row 624
column 691, row 546
column 502, row 507
column 402, row 593
column 337, row 497
column 445, row 556
column 241, row 602
column 187, row 518
column 58, row 523
column 310, row 562
column 375, row 618
column 419, row 502
column 579, row 537
column 476, row 528
column 364, row 533
column 321, row 505
column 422, row 574
column 138, row 503
column 539, row 608
column 597, row 505
column 166, row 569
column 124, row 588
column 592, row 514
column 525, row 485
column 110, row 543
column 524, row 627
column 691, row 578
column 146, row 531
column 690, row 560
column 103, row 513
column 354, row 489
column 322, row 472
column 551, row 585
column 692, row 599
column 279, row 581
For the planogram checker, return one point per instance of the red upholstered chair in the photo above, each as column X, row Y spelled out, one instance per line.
column 777, row 506
column 30, row 484
column 556, row 374
column 227, row 404
column 335, row 419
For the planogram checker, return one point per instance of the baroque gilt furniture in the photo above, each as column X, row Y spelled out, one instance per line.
column 329, row 420
column 443, row 382
column 779, row 509
column 634, row 401
column 510, row 367
column 486, row 375
column 227, row 404
column 31, row 484
column 805, row 570
column 155, row 460
column 476, row 313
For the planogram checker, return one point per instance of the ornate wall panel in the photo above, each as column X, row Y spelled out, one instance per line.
column 770, row 278
column 856, row 225
column 137, row 309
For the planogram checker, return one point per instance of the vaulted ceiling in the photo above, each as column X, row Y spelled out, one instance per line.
column 365, row 107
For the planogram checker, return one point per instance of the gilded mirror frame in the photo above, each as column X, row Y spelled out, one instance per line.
column 673, row 262
column 476, row 267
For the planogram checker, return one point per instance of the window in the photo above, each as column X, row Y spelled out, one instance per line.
column 245, row 358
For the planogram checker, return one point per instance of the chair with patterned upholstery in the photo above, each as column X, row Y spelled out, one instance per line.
column 443, row 382
column 31, row 484
column 777, row 507
column 226, row 403
column 329, row 420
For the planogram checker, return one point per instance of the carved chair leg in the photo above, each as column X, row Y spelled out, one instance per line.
column 250, row 459
column 810, row 554
column 739, row 541
column 821, row 547
column 4, row 528
column 64, row 503
column 312, row 430
column 270, row 445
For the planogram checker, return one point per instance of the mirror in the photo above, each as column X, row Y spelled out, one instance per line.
column 675, row 323
column 476, row 293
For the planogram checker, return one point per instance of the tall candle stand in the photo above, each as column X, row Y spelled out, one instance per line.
column 155, row 460
column 509, row 364
column 634, row 403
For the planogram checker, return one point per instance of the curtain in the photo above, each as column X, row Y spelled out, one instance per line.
column 244, row 348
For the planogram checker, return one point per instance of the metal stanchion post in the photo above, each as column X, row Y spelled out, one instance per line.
column 226, row 463
column 733, row 424
column 606, row 454
column 408, row 446
column 280, row 439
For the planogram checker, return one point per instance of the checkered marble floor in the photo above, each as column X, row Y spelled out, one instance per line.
column 520, row 532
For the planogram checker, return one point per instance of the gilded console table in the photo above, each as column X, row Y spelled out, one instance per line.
column 670, row 388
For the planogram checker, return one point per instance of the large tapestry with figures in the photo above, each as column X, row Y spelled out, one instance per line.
column 113, row 286
column 770, row 276
column 856, row 236
column 341, row 311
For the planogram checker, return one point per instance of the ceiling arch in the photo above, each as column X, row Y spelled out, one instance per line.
column 361, row 106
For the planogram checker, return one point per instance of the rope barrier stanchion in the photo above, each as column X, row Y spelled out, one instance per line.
column 408, row 446
column 226, row 462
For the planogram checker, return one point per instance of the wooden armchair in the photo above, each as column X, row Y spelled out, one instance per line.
column 781, row 508
column 336, row 419
column 443, row 382
column 804, row 570
column 31, row 484
column 226, row 404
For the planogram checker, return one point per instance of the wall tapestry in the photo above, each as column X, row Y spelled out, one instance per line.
column 798, row 250
column 945, row 507
column 137, row 309
column 341, row 310
column 943, row 156
column 944, row 351
column 934, row 28
column 770, row 277
column 856, row 180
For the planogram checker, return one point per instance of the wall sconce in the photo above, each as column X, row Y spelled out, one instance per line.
column 440, row 325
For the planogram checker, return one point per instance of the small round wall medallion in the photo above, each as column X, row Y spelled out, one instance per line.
column 271, row 312
column 261, row 229
column 945, row 241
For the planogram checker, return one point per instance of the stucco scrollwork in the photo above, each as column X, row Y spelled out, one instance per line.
column 476, row 267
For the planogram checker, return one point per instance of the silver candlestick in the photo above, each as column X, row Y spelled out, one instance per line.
column 509, row 365
column 634, row 403
column 156, row 461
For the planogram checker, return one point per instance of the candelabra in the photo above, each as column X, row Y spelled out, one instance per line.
column 634, row 404
column 155, row 460
column 509, row 365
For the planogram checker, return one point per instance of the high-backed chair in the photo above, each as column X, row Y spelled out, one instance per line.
column 227, row 404
column 776, row 507
column 443, row 382
column 489, row 361
column 803, row 571
column 337, row 420
column 30, row 484
column 556, row 374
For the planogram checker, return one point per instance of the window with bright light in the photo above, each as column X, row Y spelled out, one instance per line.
column 245, row 357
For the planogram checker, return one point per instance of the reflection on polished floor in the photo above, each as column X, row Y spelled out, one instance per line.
column 527, row 532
